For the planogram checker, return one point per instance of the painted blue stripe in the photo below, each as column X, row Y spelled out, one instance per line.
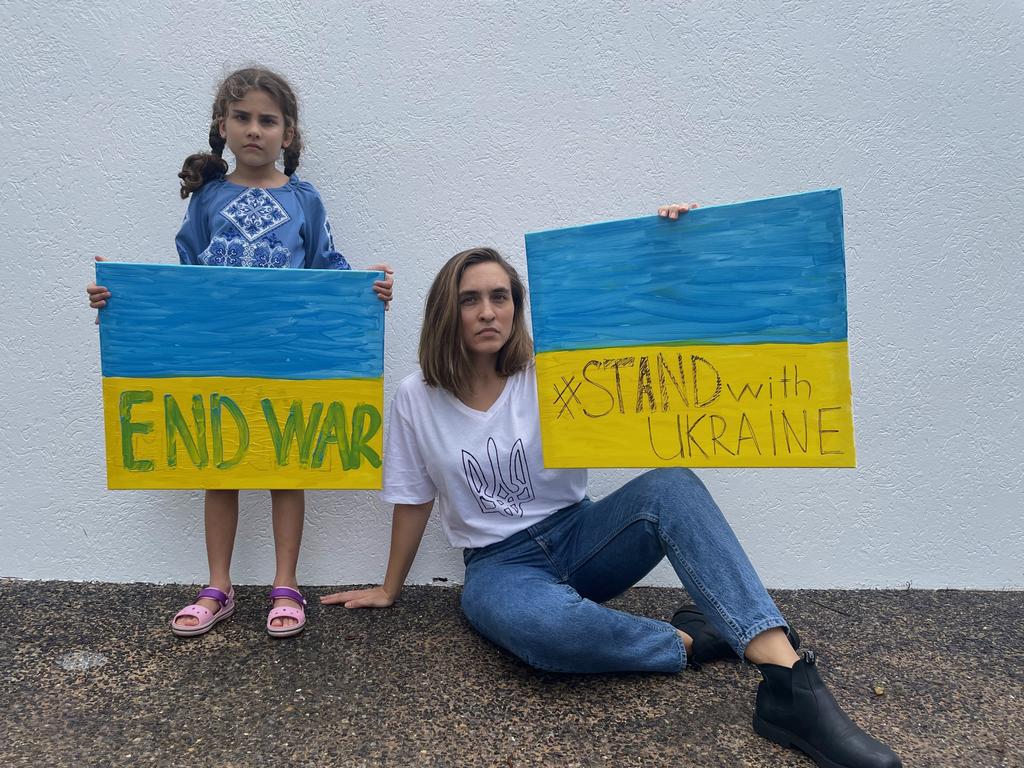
column 171, row 320
column 763, row 271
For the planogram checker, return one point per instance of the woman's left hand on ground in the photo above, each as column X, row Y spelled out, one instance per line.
column 375, row 597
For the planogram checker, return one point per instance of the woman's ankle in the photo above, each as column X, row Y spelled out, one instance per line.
column 772, row 647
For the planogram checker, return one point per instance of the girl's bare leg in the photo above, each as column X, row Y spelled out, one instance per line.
column 221, row 514
column 289, row 509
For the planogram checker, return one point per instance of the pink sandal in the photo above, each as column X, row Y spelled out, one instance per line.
column 207, row 618
column 284, row 612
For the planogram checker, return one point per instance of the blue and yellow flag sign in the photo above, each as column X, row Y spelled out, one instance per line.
column 222, row 377
column 717, row 340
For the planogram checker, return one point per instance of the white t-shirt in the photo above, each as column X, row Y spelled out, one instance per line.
column 485, row 468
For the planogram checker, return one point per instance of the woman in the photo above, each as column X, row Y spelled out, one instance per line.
column 541, row 557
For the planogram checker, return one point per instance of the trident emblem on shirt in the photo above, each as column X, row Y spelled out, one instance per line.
column 505, row 488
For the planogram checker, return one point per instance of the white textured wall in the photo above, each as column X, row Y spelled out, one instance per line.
column 439, row 125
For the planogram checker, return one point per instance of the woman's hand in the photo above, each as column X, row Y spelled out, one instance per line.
column 407, row 525
column 383, row 288
column 375, row 597
column 673, row 210
column 98, row 294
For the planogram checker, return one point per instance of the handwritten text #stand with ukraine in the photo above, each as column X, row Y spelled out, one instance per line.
column 718, row 340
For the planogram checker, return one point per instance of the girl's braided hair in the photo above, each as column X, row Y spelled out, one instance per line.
column 204, row 166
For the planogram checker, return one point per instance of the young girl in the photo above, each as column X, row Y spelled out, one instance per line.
column 541, row 557
column 255, row 216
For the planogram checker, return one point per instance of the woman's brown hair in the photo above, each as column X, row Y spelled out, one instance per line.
column 204, row 166
column 444, row 360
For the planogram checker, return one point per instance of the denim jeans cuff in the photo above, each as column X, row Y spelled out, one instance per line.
column 757, row 629
column 680, row 645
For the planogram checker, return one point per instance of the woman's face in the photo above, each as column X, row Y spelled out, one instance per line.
column 486, row 308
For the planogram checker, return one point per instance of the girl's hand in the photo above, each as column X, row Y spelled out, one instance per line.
column 98, row 294
column 383, row 287
column 375, row 597
column 673, row 210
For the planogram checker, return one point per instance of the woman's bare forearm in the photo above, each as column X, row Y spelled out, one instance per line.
column 408, row 523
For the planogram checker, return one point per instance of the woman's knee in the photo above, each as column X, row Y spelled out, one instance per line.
column 678, row 494
column 671, row 481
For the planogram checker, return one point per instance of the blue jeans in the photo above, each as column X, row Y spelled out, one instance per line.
column 538, row 593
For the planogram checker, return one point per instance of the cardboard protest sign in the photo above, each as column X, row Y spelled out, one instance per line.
column 717, row 340
column 223, row 377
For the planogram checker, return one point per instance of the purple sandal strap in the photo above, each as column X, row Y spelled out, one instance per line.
column 287, row 593
column 212, row 593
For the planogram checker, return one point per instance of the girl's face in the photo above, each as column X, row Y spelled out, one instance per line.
column 486, row 308
column 254, row 130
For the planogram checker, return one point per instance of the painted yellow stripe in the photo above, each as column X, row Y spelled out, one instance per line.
column 758, row 405
column 217, row 432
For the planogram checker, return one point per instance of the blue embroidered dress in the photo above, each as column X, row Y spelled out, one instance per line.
column 230, row 225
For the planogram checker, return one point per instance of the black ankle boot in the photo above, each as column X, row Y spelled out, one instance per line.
column 795, row 709
column 708, row 645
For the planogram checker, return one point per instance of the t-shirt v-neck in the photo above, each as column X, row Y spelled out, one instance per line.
column 496, row 406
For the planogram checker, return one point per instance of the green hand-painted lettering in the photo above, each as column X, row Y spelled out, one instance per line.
column 334, row 430
column 362, row 433
column 216, row 402
column 295, row 427
column 174, row 422
column 130, row 428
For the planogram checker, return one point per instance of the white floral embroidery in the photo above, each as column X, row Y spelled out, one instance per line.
column 235, row 252
column 255, row 212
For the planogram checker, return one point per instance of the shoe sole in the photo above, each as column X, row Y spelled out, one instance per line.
column 286, row 631
column 784, row 738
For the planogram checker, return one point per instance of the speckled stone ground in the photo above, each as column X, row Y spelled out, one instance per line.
column 92, row 677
